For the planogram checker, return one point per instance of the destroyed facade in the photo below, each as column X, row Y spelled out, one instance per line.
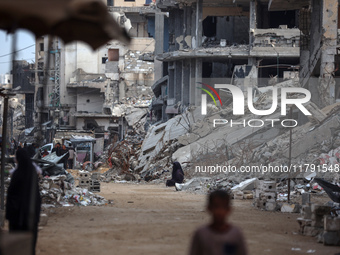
column 105, row 91
column 254, row 39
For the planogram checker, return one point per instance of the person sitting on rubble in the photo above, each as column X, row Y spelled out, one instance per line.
column 219, row 237
column 23, row 198
column 177, row 175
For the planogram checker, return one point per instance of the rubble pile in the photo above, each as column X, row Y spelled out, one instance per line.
column 314, row 143
column 122, row 159
column 56, row 192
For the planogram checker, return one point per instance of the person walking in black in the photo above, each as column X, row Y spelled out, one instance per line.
column 23, row 198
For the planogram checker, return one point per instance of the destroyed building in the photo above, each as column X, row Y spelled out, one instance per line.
column 21, row 108
column 95, row 90
column 23, row 83
column 217, row 39
column 274, row 45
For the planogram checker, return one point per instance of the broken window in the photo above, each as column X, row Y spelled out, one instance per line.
column 113, row 54
column 278, row 18
column 104, row 59
column 232, row 29
column 209, row 26
column 206, row 69
column 90, row 124
column 217, row 69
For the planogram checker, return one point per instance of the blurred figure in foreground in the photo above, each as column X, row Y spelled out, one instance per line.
column 23, row 198
column 177, row 175
column 219, row 237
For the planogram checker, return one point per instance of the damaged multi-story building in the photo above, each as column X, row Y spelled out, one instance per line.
column 236, row 39
column 21, row 107
column 96, row 90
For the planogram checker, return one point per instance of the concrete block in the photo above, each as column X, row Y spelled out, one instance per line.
column 331, row 223
column 293, row 208
column 84, row 182
column 331, row 238
column 303, row 223
column 258, row 193
column 317, row 222
column 305, row 198
column 321, row 209
column 269, row 186
column 268, row 196
column 84, row 175
column 271, row 206
column 306, row 212
column 43, row 219
column 258, row 203
column 312, row 231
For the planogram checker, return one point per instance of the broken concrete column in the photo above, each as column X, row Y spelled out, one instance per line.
column 306, row 212
column 305, row 199
column 159, row 44
column 198, row 78
column 193, row 90
column 178, row 80
column 199, row 23
column 303, row 223
column 329, row 41
column 185, row 94
column 252, row 27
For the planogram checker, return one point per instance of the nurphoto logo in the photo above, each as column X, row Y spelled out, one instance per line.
column 239, row 104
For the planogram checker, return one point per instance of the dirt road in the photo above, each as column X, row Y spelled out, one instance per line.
column 152, row 219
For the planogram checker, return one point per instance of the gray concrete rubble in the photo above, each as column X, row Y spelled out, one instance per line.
column 57, row 192
column 192, row 139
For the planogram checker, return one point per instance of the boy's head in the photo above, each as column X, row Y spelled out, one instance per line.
column 219, row 205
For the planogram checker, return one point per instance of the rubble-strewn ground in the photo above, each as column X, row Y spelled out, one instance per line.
column 152, row 219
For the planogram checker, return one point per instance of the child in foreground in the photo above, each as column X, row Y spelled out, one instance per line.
column 219, row 237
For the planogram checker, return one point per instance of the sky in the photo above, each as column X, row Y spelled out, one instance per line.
column 24, row 39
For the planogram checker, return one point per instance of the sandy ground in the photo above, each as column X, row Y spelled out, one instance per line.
column 152, row 219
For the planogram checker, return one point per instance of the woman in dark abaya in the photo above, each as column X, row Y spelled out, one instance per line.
column 23, row 198
column 177, row 175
